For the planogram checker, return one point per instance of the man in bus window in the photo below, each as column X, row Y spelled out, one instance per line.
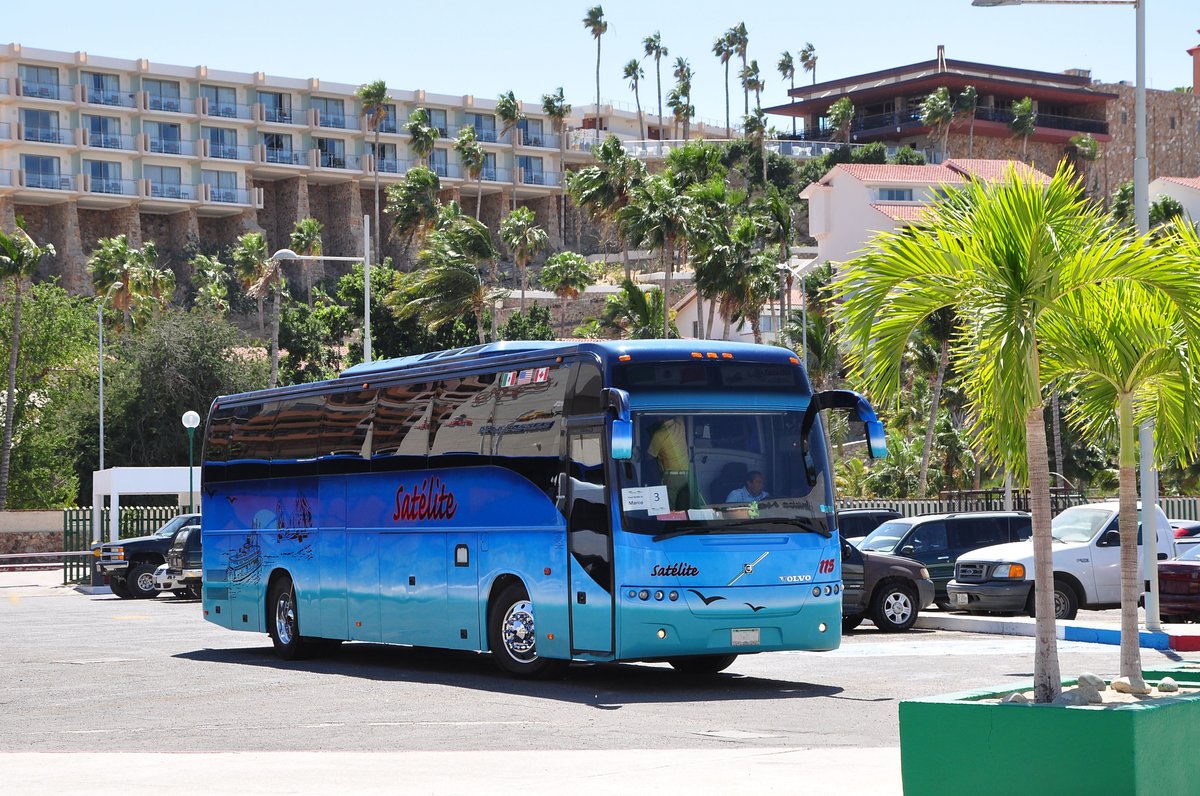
column 668, row 445
column 752, row 492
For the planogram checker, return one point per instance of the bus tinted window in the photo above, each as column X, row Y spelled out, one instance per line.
column 250, row 435
column 345, row 423
column 216, row 443
column 297, row 429
column 528, row 421
column 589, row 384
column 462, row 410
column 399, row 409
column 708, row 375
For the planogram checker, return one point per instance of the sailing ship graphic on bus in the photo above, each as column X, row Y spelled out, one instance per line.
column 245, row 563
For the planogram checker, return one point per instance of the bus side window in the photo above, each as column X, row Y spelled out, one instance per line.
column 296, row 436
column 250, row 441
column 346, row 431
column 587, row 397
column 588, row 519
column 462, row 410
column 526, row 430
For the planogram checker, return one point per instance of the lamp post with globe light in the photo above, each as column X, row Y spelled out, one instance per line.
column 190, row 421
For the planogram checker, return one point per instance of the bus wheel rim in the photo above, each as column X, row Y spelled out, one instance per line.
column 520, row 640
column 285, row 618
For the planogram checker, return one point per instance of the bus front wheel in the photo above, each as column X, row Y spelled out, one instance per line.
column 513, row 639
column 702, row 665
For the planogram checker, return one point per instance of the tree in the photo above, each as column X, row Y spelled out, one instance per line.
column 1087, row 151
column 536, row 324
column 473, row 158
column 752, row 81
column 558, row 109
column 1023, row 122
column 567, row 275
column 653, row 47
column 937, row 112
column 635, row 313
column 657, row 216
column 374, row 98
column 1002, row 255
column 306, row 240
column 601, row 190
column 312, row 337
column 1163, row 210
column 683, row 85
column 249, row 257
column 19, row 258
column 143, row 287
column 1123, row 352
column 808, row 60
column 723, row 49
column 524, row 239
column 840, row 116
column 740, row 38
column 413, row 204
column 594, row 22
column 251, row 253
column 965, row 105
column 755, row 128
column 210, row 276
column 633, row 73
column 940, row 327
column 787, row 70
column 422, row 135
column 508, row 108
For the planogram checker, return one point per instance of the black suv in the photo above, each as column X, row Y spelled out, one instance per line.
column 128, row 565
column 937, row 540
column 857, row 523
column 182, row 574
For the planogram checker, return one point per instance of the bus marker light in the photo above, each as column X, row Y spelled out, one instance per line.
column 549, row 637
column 794, row 360
column 632, row 594
column 644, row 595
column 358, row 624
column 711, row 355
column 206, row 612
column 821, row 627
column 837, row 587
column 816, row 591
column 624, row 358
column 828, row 590
column 726, row 356
column 546, row 571
column 673, row 596
column 697, row 355
column 662, row 633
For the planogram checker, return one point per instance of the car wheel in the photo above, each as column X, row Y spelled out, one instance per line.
column 512, row 637
column 1066, row 604
column 702, row 665
column 850, row 622
column 942, row 605
column 894, row 607
column 195, row 591
column 140, row 581
column 117, row 584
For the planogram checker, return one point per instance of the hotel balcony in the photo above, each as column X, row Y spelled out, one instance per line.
column 107, row 141
column 48, row 135
column 224, row 151
column 168, row 146
column 112, row 99
column 496, row 175
column 336, row 121
column 287, row 157
column 548, row 179
column 224, row 110
column 178, row 191
column 156, row 104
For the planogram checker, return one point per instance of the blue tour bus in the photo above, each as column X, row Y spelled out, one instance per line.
column 545, row 501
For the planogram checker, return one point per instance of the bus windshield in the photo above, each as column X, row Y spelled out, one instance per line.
column 724, row 472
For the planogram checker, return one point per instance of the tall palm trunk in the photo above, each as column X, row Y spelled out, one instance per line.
column 1046, row 677
column 479, row 310
column 971, row 137
column 478, row 194
column 699, row 311
column 666, row 255
column 522, row 267
column 275, row 338
column 597, row 91
column 1056, row 420
column 745, row 89
column 712, row 313
column 375, row 232
column 792, row 87
column 562, row 183
column 10, row 397
column 728, row 129
column 756, row 328
column 935, row 400
column 638, row 101
column 1131, row 659
column 261, row 323
column 658, row 85
column 512, row 137
column 562, row 318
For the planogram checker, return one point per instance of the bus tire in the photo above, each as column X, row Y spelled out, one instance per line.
column 702, row 665
column 283, row 622
column 117, row 584
column 512, row 637
column 140, row 581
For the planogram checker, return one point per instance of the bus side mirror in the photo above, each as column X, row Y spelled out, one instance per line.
column 859, row 409
column 876, row 439
column 621, row 442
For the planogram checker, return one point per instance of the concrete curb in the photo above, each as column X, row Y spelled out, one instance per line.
column 1182, row 638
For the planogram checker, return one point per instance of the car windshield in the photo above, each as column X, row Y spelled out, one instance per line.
column 175, row 523
column 1079, row 524
column 725, row 472
column 885, row 538
column 1191, row 553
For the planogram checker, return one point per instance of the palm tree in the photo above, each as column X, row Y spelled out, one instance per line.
column 940, row 327
column 1024, row 122
column 1002, row 255
column 422, row 135
column 250, row 256
column 683, row 77
column 638, row 314
column 840, row 116
column 808, row 60
column 508, row 108
column 413, row 204
column 374, row 98
column 567, row 274
column 787, row 70
column 524, row 239
column 633, row 73
column 740, row 38
column 1124, row 353
column 594, row 22
column 653, row 47
column 601, row 190
column 1087, row 152
column 723, row 48
column 19, row 258
column 658, row 215
column 752, row 81
column 306, row 239
column 755, row 128
column 558, row 109
column 937, row 112
column 143, row 286
column 473, row 158
column 210, row 275
column 965, row 104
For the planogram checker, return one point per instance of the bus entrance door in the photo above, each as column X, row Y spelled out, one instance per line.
column 589, row 535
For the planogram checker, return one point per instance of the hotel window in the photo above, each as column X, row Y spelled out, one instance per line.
column 41, row 126
column 531, row 131
column 438, row 162
column 895, row 194
column 42, row 172
column 437, row 118
column 277, row 107
column 222, row 142
column 222, row 185
column 222, row 100
column 333, row 152
column 163, row 137
column 103, row 131
column 162, row 95
column 278, row 146
column 331, row 112
column 39, row 81
column 489, row 166
column 484, row 124
column 101, row 88
column 531, row 169
column 389, row 125
column 106, row 176
column 164, row 180
column 387, row 157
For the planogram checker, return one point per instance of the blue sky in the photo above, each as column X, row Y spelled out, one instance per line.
column 531, row 47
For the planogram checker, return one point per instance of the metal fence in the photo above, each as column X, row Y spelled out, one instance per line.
column 1176, row 508
column 77, row 533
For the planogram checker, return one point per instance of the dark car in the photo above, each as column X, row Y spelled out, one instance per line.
column 128, row 565
column 1179, row 586
column 888, row 590
column 937, row 540
column 857, row 523
column 182, row 572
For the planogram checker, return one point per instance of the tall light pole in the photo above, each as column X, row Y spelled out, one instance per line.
column 287, row 255
column 100, row 328
column 190, row 420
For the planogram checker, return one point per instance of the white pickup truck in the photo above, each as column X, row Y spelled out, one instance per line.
column 1087, row 566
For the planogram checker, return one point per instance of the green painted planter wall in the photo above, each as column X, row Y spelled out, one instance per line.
column 957, row 745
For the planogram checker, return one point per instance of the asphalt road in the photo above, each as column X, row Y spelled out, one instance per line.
column 86, row 673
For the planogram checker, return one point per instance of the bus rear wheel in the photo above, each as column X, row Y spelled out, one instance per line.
column 284, row 622
column 702, row 665
column 512, row 637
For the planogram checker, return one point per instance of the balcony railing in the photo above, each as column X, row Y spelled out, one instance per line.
column 171, row 104
column 116, row 99
column 52, row 181
column 277, row 115
column 388, row 126
column 227, row 152
column 287, row 156
column 339, row 121
column 549, row 178
column 110, row 141
column 228, row 110
column 332, row 160
column 229, row 195
column 111, row 186
column 54, row 91
column 544, row 140
column 496, row 175
column 447, row 170
column 48, row 135
column 1053, row 121
column 392, row 166
column 171, row 146
column 487, row 136
column 172, row 191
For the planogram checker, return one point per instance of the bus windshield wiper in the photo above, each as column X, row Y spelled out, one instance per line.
column 683, row 530
column 803, row 524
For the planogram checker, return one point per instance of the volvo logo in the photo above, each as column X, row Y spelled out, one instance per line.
column 748, row 568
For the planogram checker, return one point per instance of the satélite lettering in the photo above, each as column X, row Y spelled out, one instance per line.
column 682, row 570
column 431, row 500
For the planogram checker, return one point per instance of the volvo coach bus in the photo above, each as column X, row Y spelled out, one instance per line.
column 547, row 502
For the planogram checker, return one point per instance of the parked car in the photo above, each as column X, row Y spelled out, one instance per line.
column 855, row 524
column 1087, row 565
column 182, row 572
column 888, row 590
column 128, row 565
column 1187, row 534
column 1179, row 586
column 937, row 540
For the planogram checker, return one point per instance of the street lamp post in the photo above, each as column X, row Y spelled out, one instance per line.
column 190, row 420
column 284, row 255
column 100, row 328
column 798, row 274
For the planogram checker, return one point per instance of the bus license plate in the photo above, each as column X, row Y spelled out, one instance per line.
column 745, row 637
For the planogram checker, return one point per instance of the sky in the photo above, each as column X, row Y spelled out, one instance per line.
column 532, row 47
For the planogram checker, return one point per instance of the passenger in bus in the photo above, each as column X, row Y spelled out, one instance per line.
column 752, row 492
column 668, row 445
